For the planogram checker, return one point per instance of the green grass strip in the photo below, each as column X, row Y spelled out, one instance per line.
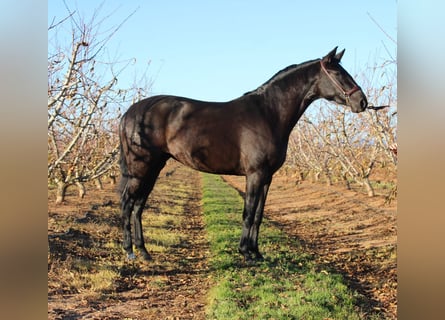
column 287, row 285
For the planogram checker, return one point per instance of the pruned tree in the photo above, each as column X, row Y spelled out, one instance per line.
column 84, row 101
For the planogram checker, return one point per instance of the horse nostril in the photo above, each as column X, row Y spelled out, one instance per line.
column 363, row 104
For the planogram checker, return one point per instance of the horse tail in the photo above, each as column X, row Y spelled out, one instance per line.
column 122, row 163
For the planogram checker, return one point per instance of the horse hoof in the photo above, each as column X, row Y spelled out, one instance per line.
column 131, row 256
column 147, row 257
column 259, row 257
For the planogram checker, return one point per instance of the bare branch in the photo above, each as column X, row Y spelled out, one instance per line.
column 383, row 30
column 55, row 25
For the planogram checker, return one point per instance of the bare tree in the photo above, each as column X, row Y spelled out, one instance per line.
column 84, row 101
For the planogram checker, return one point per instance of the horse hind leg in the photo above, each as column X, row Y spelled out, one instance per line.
column 134, row 198
column 139, row 205
column 127, row 205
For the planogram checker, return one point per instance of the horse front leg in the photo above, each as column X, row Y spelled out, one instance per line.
column 255, row 229
column 252, row 215
column 248, row 217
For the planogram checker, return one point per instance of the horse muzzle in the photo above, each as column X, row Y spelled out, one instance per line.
column 358, row 106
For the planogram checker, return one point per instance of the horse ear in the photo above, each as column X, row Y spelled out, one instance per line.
column 330, row 56
column 339, row 55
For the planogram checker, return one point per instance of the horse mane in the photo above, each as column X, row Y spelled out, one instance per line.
column 280, row 75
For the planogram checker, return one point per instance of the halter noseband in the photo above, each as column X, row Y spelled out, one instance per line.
column 348, row 93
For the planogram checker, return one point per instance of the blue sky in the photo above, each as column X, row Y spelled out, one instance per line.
column 217, row 50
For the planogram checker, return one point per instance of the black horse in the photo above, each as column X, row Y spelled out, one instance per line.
column 247, row 136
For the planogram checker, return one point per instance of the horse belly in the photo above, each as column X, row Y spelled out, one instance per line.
column 202, row 138
column 207, row 155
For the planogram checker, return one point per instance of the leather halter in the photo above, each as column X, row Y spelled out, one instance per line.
column 348, row 93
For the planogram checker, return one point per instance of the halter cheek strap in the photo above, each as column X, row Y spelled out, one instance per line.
column 348, row 93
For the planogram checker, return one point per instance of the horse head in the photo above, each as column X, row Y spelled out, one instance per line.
column 336, row 84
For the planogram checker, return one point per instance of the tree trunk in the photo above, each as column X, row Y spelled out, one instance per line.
column 315, row 176
column 347, row 184
column 327, row 173
column 98, row 183
column 329, row 181
column 392, row 195
column 81, row 189
column 368, row 187
column 302, row 176
column 112, row 179
column 61, row 191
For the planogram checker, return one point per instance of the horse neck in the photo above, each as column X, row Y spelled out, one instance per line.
column 289, row 98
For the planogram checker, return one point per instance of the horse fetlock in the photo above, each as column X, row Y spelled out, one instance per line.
column 250, row 256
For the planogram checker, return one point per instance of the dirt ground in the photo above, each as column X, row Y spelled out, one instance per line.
column 173, row 286
column 347, row 232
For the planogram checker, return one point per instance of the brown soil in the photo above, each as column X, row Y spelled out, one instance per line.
column 173, row 286
column 347, row 232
